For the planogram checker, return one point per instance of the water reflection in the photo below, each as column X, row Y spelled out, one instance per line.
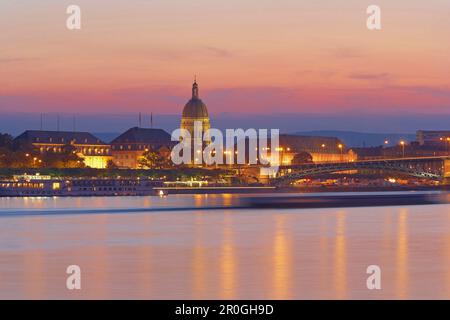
column 226, row 254
column 323, row 251
column 144, row 268
column 228, row 260
column 402, row 254
column 98, row 269
column 282, row 264
column 447, row 250
column 199, row 262
column 340, row 257
column 34, row 262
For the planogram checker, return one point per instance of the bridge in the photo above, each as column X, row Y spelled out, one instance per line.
column 433, row 168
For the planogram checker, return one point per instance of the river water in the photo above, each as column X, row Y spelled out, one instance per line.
column 126, row 251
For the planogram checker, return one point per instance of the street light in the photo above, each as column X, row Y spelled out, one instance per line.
column 282, row 160
column 341, row 148
column 402, row 143
column 386, row 143
column 448, row 145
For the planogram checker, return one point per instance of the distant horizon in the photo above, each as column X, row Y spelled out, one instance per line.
column 16, row 122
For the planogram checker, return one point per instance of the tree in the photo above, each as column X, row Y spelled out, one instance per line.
column 16, row 159
column 152, row 159
column 6, row 141
column 13, row 157
column 5, row 157
column 302, row 158
column 111, row 165
column 67, row 158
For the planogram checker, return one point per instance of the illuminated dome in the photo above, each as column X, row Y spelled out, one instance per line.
column 195, row 111
column 195, row 108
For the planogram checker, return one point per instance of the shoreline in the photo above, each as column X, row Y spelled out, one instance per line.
column 250, row 190
column 281, row 190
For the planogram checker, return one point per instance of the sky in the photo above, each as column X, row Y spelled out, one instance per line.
column 251, row 57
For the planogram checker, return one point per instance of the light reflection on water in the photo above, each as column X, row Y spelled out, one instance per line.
column 223, row 254
column 402, row 255
column 340, row 256
column 281, row 264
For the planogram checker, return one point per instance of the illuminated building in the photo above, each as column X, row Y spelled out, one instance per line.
column 295, row 149
column 129, row 147
column 195, row 110
column 92, row 150
column 436, row 138
column 405, row 149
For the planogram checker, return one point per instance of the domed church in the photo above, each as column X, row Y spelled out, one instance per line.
column 195, row 110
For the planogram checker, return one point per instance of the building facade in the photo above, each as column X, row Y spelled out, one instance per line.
column 92, row 150
column 437, row 138
column 295, row 149
column 128, row 148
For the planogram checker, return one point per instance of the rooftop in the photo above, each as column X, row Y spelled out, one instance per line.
column 143, row 135
column 59, row 137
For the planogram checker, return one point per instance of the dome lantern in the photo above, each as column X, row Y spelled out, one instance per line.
column 195, row 90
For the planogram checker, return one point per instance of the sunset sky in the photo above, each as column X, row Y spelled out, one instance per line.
column 284, row 56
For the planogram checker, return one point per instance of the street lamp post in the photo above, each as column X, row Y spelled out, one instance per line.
column 386, row 142
column 448, row 145
column 446, row 141
column 282, row 156
column 402, row 143
column 323, row 147
column 341, row 148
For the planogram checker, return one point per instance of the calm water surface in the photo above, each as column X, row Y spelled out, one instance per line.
column 219, row 254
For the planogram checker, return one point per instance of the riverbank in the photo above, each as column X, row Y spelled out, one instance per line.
column 321, row 189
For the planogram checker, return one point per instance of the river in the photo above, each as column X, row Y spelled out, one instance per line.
column 126, row 251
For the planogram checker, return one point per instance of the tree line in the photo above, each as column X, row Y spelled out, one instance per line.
column 15, row 154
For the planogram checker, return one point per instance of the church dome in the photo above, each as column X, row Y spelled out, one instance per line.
column 195, row 108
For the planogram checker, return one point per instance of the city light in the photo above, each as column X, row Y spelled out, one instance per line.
column 402, row 143
column 341, row 148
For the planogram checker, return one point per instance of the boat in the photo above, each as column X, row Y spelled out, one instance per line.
column 346, row 200
column 46, row 186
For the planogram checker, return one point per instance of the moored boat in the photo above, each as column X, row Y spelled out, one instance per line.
column 37, row 185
